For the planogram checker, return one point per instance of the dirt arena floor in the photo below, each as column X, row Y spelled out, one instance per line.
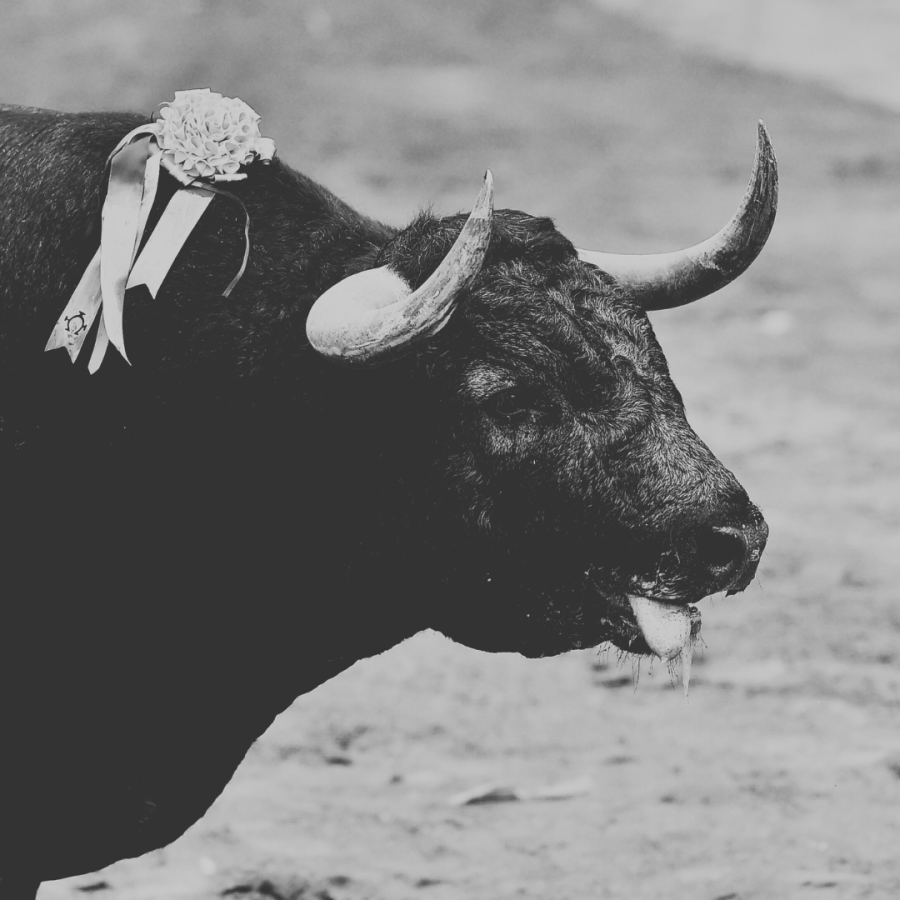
column 779, row 777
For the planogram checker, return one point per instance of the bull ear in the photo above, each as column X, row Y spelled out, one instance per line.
column 374, row 313
column 664, row 280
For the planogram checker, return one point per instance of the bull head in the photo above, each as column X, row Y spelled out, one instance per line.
column 375, row 313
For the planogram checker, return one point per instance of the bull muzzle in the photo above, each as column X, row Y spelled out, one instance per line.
column 711, row 558
column 726, row 555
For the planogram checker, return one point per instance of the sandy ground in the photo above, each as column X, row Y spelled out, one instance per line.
column 780, row 776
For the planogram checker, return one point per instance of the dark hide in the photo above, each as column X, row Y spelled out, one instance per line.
column 194, row 540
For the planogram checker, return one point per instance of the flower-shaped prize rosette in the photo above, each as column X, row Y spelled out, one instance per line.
column 202, row 139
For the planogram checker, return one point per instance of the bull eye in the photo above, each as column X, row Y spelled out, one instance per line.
column 515, row 405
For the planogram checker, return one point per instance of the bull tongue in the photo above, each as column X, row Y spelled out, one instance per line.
column 666, row 628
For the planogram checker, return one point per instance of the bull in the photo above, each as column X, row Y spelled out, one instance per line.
column 465, row 424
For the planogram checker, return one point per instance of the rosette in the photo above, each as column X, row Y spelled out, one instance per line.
column 202, row 139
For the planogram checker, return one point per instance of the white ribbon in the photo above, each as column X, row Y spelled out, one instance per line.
column 75, row 322
column 73, row 325
column 134, row 167
column 118, row 236
column 172, row 230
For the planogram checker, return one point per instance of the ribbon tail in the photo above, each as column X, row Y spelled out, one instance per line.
column 73, row 325
column 100, row 346
column 164, row 244
column 121, row 217
column 151, row 183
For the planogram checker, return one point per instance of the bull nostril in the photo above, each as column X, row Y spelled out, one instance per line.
column 721, row 547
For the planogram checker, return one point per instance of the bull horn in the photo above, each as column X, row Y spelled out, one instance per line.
column 664, row 280
column 371, row 313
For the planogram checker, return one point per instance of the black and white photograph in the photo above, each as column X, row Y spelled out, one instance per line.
column 450, row 451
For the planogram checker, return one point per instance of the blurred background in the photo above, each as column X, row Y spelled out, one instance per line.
column 632, row 123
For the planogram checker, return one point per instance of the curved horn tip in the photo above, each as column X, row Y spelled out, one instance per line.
column 763, row 185
column 484, row 202
column 665, row 280
column 764, row 142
